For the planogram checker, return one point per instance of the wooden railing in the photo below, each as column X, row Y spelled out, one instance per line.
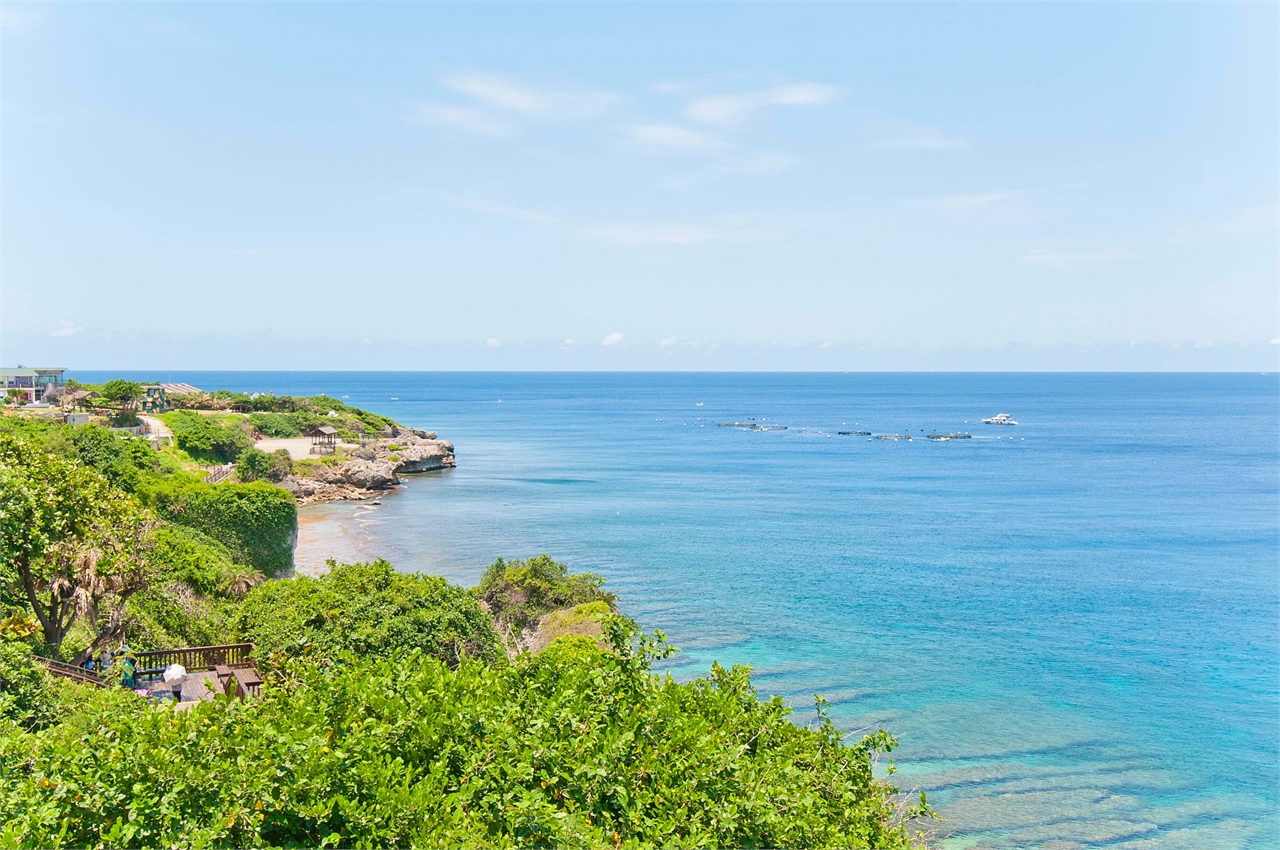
column 70, row 671
column 219, row 473
column 197, row 657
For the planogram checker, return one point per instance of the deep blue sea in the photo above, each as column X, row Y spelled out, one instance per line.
column 1072, row 624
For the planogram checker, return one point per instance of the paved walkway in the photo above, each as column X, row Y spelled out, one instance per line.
column 153, row 427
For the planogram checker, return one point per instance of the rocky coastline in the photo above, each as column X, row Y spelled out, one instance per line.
column 370, row 470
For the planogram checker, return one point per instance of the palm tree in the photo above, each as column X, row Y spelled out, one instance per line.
column 240, row 579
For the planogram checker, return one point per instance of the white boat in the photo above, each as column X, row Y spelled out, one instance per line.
column 1001, row 419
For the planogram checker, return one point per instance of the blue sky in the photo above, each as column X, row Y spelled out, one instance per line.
column 639, row 186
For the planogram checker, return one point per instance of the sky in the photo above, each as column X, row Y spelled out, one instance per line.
column 639, row 186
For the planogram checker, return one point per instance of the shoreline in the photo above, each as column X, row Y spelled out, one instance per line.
column 342, row 529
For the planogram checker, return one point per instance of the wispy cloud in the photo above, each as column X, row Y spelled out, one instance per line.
column 1067, row 259
column 669, row 341
column 922, row 139
column 65, row 329
column 977, row 200
column 460, row 118
column 1250, row 220
column 727, row 108
column 507, row 94
column 673, row 138
column 492, row 342
column 612, row 339
column 649, row 234
column 620, row 233
column 503, row 211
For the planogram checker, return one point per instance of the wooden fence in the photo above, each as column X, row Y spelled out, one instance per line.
column 219, row 473
column 196, row 658
column 71, row 671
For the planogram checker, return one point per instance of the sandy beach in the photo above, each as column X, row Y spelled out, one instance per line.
column 342, row 531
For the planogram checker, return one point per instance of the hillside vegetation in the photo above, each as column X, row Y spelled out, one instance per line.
column 397, row 710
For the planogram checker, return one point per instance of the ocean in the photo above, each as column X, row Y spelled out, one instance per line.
column 1072, row 624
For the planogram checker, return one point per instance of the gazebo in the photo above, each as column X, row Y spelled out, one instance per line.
column 324, row 440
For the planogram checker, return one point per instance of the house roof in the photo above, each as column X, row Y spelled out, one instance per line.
column 19, row 372
column 326, row 430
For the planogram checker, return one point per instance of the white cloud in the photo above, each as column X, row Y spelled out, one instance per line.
column 979, row 200
column 612, row 339
column 459, row 117
column 760, row 163
column 516, row 213
column 492, row 342
column 920, row 139
column 667, row 342
column 65, row 329
column 568, row 342
column 725, row 108
column 649, row 234
column 1250, row 220
column 510, row 95
column 671, row 137
column 1276, row 341
column 1066, row 259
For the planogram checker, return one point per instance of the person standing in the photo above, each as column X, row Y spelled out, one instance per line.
column 174, row 676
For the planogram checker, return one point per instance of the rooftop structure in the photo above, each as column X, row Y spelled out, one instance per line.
column 31, row 383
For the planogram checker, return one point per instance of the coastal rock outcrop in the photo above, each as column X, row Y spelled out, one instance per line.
column 423, row 456
column 372, row 468
column 369, row 474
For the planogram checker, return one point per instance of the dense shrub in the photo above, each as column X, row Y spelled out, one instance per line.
column 120, row 457
column 169, row 614
column 519, row 593
column 575, row 747
column 121, row 391
column 257, row 522
column 368, row 609
column 24, row 686
column 206, row 439
column 257, row 465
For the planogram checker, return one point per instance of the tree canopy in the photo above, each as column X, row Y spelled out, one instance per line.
column 78, row 547
column 370, row 610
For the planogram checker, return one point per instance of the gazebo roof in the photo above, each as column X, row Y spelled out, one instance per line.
column 326, row 430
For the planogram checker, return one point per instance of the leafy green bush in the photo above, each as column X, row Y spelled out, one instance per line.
column 170, row 613
column 121, row 391
column 206, row 439
column 257, row 522
column 519, row 593
column 368, row 609
column 120, row 457
column 257, row 465
column 24, row 686
column 576, row 747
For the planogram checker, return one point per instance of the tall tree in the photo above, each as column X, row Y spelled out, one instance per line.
column 78, row 547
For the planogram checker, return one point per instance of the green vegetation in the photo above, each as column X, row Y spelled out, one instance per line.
column 256, row 522
column 78, row 547
column 257, row 465
column 191, row 579
column 391, row 715
column 519, row 593
column 370, row 610
column 577, row 746
column 207, row 438
column 121, row 392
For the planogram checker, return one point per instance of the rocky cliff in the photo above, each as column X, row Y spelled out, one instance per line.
column 374, row 468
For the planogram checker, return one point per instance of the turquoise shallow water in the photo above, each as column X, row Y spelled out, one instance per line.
column 1075, row 632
